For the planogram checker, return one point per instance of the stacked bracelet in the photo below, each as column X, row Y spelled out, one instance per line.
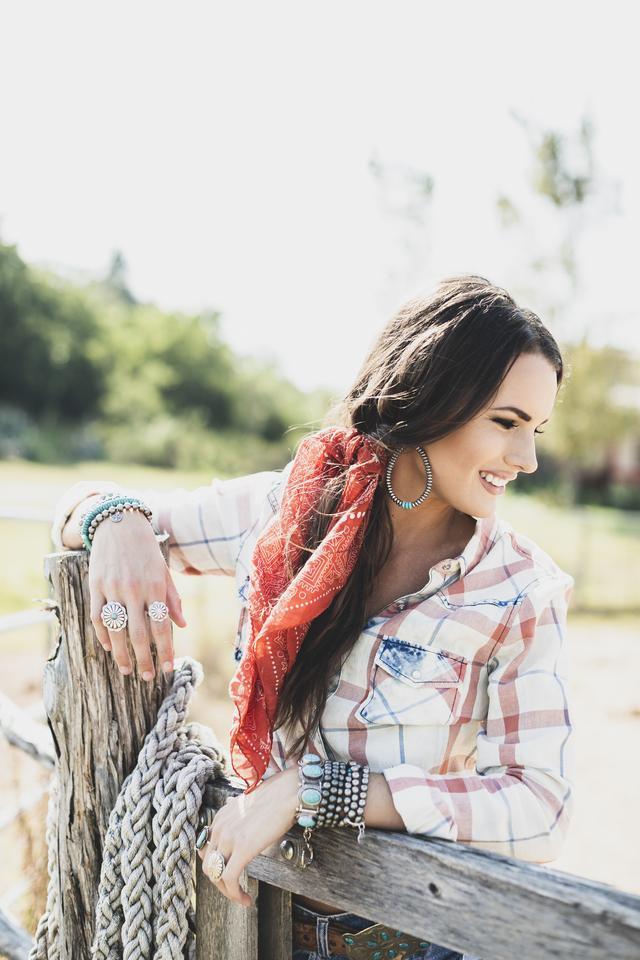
column 331, row 793
column 112, row 506
column 344, row 795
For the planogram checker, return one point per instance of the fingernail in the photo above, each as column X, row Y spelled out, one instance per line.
column 147, row 675
column 106, row 646
column 125, row 670
column 167, row 666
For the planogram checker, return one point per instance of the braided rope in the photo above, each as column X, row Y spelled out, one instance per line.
column 145, row 909
column 46, row 942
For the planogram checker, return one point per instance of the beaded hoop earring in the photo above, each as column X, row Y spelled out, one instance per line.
column 409, row 504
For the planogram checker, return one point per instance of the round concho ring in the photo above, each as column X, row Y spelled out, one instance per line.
column 158, row 611
column 215, row 864
column 114, row 616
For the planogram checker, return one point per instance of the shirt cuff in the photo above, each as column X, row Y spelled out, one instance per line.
column 421, row 810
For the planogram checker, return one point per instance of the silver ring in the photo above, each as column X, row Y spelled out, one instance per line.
column 114, row 616
column 215, row 860
column 158, row 611
column 203, row 837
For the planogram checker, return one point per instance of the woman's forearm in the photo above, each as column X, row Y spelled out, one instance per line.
column 379, row 810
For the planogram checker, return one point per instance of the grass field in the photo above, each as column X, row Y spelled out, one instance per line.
column 599, row 547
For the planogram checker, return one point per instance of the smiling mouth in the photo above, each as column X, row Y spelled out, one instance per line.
column 493, row 484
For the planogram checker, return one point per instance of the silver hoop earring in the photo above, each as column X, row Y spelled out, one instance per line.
column 409, row 504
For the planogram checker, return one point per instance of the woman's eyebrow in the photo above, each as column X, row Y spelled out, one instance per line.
column 519, row 413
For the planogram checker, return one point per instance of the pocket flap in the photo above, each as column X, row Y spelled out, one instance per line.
column 416, row 665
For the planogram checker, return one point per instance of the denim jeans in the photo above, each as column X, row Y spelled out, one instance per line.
column 357, row 923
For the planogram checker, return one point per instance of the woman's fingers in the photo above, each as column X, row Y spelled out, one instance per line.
column 231, row 879
column 220, row 840
column 229, row 883
column 97, row 603
column 161, row 632
column 174, row 603
column 136, row 589
column 113, row 640
column 138, row 627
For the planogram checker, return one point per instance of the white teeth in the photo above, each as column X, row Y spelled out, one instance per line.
column 496, row 481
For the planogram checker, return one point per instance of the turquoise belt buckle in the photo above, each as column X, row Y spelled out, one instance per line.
column 379, row 942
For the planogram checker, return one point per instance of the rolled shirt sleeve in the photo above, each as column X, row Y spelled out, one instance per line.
column 519, row 799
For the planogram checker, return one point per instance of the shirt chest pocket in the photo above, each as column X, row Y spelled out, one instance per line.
column 413, row 684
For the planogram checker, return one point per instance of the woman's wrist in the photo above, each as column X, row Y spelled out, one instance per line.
column 379, row 809
column 291, row 781
column 285, row 782
column 70, row 535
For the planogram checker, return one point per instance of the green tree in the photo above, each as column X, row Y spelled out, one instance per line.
column 589, row 418
column 46, row 331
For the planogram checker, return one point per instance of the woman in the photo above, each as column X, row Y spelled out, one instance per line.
column 431, row 654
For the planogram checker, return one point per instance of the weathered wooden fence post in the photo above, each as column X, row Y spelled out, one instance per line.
column 99, row 720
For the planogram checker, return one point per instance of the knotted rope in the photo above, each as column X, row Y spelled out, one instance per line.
column 144, row 909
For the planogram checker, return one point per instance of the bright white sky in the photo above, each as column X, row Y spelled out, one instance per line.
column 225, row 149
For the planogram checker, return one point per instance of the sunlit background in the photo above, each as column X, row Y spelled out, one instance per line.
column 208, row 211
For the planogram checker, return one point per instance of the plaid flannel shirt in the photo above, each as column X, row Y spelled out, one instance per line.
column 457, row 694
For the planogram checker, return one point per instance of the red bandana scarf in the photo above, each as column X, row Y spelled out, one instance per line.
column 281, row 609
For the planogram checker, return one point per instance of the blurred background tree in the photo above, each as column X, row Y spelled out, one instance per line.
column 87, row 371
column 592, row 449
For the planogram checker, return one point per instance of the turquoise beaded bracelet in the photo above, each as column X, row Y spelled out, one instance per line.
column 112, row 507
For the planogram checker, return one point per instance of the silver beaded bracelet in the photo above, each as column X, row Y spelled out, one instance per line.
column 344, row 795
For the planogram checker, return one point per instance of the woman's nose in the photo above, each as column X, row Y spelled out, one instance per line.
column 524, row 458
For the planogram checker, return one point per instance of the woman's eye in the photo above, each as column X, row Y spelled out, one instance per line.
column 509, row 424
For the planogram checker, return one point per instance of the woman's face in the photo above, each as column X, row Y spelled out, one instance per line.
column 497, row 441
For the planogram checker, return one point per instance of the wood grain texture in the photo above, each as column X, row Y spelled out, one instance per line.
column 98, row 720
column 224, row 929
column 469, row 900
column 274, row 922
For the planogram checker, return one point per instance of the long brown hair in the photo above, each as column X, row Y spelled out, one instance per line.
column 436, row 364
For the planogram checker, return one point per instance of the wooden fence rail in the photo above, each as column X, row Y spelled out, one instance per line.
column 476, row 902
column 481, row 903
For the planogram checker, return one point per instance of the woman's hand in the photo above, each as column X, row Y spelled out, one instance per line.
column 126, row 564
column 247, row 825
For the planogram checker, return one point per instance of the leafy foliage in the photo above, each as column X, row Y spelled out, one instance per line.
column 88, row 369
